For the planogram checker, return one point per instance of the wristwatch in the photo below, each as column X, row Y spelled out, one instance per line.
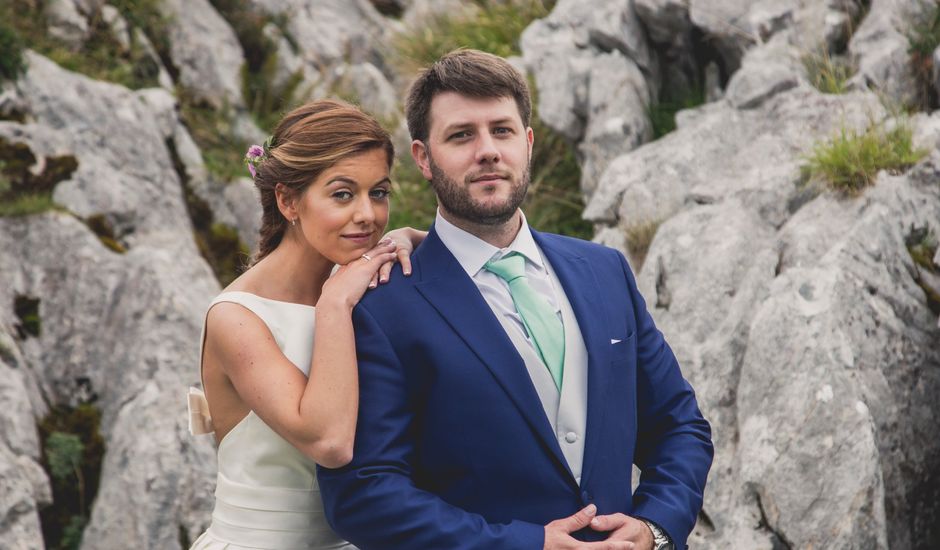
column 661, row 540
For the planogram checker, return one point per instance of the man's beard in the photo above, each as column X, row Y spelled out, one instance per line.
column 456, row 199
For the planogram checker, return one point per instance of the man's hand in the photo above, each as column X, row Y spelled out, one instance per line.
column 625, row 528
column 558, row 533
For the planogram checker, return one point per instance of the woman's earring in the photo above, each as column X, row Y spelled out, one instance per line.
column 293, row 221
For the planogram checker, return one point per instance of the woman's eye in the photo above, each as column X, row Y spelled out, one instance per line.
column 342, row 195
column 379, row 193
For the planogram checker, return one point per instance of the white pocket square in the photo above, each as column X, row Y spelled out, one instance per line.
column 615, row 341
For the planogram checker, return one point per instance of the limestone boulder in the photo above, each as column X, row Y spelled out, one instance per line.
column 880, row 48
column 205, row 52
column 66, row 23
column 119, row 328
column 596, row 76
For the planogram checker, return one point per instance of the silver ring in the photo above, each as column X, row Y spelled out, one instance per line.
column 366, row 257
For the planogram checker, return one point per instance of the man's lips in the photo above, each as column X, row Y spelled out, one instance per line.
column 489, row 177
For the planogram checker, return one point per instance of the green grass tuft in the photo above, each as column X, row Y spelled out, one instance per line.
column 12, row 64
column 828, row 74
column 851, row 160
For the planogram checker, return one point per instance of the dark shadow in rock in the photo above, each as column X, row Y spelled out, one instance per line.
column 22, row 192
column 218, row 243
column 27, row 311
column 104, row 229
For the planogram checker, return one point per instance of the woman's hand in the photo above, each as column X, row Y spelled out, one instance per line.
column 347, row 285
column 407, row 239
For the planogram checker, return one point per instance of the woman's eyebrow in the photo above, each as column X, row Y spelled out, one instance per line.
column 342, row 179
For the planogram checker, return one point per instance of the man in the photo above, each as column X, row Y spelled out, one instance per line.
column 508, row 385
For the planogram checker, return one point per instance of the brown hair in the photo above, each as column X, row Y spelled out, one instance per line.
column 468, row 72
column 306, row 142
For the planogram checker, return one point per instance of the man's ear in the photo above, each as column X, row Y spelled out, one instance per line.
column 286, row 201
column 419, row 152
column 530, row 139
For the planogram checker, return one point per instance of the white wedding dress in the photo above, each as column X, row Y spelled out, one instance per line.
column 267, row 496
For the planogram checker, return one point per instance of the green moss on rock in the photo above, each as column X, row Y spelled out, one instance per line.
column 72, row 453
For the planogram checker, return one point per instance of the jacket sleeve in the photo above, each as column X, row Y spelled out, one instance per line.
column 373, row 502
column 674, row 448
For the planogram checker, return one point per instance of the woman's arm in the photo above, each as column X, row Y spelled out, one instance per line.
column 315, row 414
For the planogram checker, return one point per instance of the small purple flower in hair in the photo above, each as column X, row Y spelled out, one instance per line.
column 253, row 157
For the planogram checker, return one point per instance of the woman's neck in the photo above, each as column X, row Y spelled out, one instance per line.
column 292, row 272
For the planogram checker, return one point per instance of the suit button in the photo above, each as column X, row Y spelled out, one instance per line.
column 586, row 497
column 571, row 437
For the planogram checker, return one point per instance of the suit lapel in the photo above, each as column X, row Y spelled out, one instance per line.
column 585, row 296
column 455, row 296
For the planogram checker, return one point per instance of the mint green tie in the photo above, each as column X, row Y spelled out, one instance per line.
column 545, row 329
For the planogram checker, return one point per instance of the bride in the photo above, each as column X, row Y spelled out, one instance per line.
column 278, row 359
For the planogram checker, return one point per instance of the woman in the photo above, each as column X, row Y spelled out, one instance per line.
column 282, row 395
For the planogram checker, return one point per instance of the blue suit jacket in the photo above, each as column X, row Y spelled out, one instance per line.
column 453, row 449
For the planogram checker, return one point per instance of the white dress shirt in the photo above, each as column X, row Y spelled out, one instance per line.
column 565, row 412
column 472, row 253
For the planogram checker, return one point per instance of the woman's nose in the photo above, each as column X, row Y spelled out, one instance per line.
column 364, row 213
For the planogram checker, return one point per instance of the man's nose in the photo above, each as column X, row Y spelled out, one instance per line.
column 487, row 152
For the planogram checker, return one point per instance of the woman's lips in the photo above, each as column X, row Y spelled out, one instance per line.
column 358, row 238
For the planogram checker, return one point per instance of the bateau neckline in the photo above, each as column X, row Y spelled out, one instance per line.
column 266, row 299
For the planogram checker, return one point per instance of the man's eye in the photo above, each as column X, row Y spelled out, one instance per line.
column 459, row 135
column 502, row 130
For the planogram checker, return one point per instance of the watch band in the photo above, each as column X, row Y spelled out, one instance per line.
column 661, row 540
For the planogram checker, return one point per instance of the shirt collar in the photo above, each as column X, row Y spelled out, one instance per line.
column 473, row 252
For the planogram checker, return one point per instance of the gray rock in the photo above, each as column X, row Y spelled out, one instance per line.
column 596, row 76
column 880, row 49
column 617, row 120
column 765, row 72
column 206, row 52
column 936, row 71
column 23, row 490
column 713, row 158
column 65, row 23
column 128, row 323
column 369, row 87
column 118, row 25
column 163, row 76
column 810, row 346
column 289, row 63
column 664, row 19
column 331, row 32
column 561, row 72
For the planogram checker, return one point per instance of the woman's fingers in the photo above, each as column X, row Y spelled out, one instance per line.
column 405, row 258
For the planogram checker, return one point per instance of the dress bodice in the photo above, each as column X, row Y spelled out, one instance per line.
column 266, row 493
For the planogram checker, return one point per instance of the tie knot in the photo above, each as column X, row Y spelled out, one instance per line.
column 508, row 268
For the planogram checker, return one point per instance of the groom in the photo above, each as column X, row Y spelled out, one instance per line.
column 510, row 383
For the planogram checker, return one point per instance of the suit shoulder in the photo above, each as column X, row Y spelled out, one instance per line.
column 582, row 246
